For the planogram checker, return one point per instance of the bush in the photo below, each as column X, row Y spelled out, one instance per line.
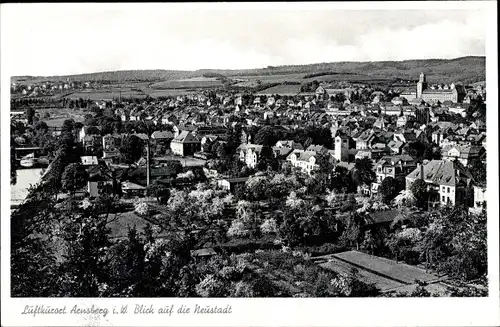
column 327, row 248
column 247, row 245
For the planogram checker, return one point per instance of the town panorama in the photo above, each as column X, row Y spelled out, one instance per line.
column 363, row 180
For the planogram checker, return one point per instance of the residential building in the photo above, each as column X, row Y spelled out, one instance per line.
column 250, row 154
column 185, row 144
column 230, row 184
column 289, row 144
column 453, row 93
column 397, row 167
column 305, row 160
column 464, row 154
column 448, row 183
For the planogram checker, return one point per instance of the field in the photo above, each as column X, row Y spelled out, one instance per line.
column 397, row 271
column 166, row 93
column 251, row 81
column 281, row 89
column 196, row 82
column 106, row 95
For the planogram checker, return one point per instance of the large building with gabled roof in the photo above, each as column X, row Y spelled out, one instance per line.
column 453, row 92
column 448, row 183
column 185, row 144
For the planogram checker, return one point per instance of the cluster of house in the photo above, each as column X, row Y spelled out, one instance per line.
column 48, row 88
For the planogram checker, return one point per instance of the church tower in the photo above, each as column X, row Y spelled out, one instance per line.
column 421, row 85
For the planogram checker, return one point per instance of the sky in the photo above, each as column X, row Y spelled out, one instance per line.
column 44, row 39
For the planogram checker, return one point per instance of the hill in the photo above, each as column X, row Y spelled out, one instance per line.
column 465, row 69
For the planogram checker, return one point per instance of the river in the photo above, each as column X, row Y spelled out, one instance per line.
column 25, row 178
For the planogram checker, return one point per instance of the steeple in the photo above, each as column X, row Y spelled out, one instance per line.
column 421, row 85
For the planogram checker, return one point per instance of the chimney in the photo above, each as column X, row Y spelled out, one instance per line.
column 421, row 171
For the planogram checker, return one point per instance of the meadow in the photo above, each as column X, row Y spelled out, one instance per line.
column 57, row 116
column 196, row 82
column 114, row 93
column 283, row 89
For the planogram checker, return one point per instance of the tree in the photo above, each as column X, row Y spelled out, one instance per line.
column 388, row 189
column 73, row 177
column 363, row 171
column 160, row 191
column 351, row 236
column 455, row 243
column 419, row 190
column 405, row 199
column 13, row 162
column 127, row 267
column 342, row 181
column 368, row 242
column 68, row 125
column 257, row 187
column 478, row 170
column 174, row 167
column 32, row 258
column 266, row 136
column 84, row 233
column 131, row 149
column 30, row 114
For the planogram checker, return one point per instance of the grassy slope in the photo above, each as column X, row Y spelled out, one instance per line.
column 465, row 69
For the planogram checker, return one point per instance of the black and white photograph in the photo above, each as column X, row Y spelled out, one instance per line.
column 198, row 151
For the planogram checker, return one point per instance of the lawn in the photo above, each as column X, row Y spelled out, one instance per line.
column 397, row 271
column 368, row 277
column 57, row 116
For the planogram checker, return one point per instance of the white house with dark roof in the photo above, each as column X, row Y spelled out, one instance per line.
column 185, row 144
column 448, row 183
column 305, row 160
column 289, row 144
column 464, row 154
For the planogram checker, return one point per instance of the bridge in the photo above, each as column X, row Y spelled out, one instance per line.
column 21, row 152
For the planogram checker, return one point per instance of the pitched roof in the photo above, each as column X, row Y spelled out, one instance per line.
column 89, row 160
column 186, row 137
column 379, row 217
column 316, row 148
column 142, row 136
column 442, row 172
column 392, row 160
column 162, row 135
column 303, row 155
column 281, row 151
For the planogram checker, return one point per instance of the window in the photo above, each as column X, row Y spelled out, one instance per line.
column 448, row 191
column 443, row 188
column 442, row 198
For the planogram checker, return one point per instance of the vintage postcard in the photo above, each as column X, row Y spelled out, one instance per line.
column 250, row 164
